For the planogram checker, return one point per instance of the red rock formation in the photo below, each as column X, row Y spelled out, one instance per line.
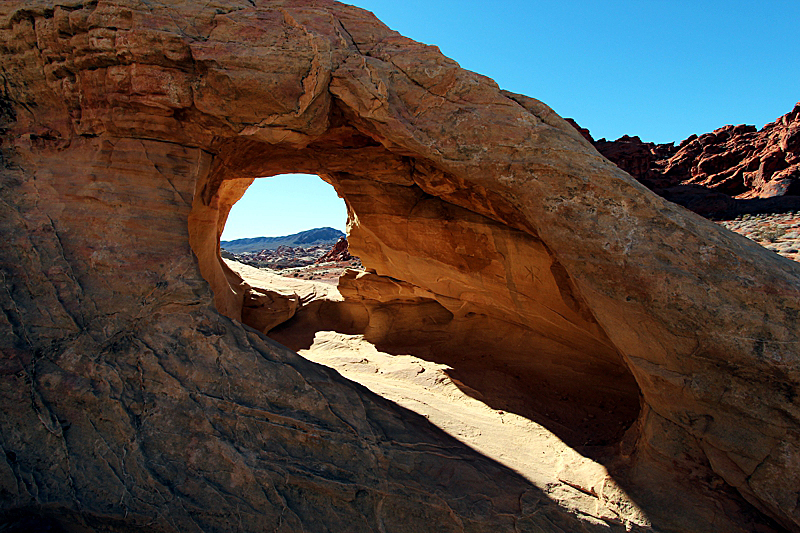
column 637, row 158
column 339, row 252
column 737, row 161
column 134, row 397
column 583, row 131
column 743, row 162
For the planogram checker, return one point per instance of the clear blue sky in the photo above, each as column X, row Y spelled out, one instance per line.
column 658, row 69
column 285, row 204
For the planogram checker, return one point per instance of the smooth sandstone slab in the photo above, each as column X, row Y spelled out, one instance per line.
column 133, row 397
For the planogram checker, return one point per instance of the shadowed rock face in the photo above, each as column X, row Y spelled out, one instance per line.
column 132, row 397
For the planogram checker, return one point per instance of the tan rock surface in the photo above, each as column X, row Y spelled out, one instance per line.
column 132, row 397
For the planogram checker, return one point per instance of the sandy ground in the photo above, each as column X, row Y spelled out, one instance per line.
column 521, row 444
column 426, row 388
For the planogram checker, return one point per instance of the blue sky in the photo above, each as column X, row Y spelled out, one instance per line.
column 283, row 205
column 661, row 70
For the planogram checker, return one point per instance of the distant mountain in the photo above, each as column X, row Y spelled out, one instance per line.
column 317, row 236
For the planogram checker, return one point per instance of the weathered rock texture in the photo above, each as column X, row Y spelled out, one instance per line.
column 133, row 398
column 339, row 252
column 704, row 173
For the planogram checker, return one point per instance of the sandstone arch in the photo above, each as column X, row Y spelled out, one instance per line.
column 125, row 120
column 445, row 280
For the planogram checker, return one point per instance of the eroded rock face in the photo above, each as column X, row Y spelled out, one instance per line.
column 133, row 397
column 339, row 252
column 704, row 173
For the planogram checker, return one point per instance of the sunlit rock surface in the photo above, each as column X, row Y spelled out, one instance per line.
column 133, row 397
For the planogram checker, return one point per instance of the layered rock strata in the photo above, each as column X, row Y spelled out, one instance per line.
column 134, row 397
column 705, row 173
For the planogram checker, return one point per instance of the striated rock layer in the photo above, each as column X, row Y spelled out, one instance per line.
column 704, row 172
column 133, row 397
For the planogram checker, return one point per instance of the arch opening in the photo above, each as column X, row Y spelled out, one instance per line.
column 470, row 294
column 291, row 224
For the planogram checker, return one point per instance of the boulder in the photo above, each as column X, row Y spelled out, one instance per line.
column 133, row 395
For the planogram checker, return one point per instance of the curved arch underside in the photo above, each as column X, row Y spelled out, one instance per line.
column 486, row 222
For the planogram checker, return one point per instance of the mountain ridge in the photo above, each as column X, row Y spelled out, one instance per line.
column 325, row 235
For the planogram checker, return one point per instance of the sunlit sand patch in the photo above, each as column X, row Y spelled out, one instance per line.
column 576, row 482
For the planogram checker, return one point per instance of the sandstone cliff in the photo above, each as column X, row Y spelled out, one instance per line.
column 133, row 396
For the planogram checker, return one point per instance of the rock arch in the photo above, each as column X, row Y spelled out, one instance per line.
column 443, row 279
column 130, row 128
